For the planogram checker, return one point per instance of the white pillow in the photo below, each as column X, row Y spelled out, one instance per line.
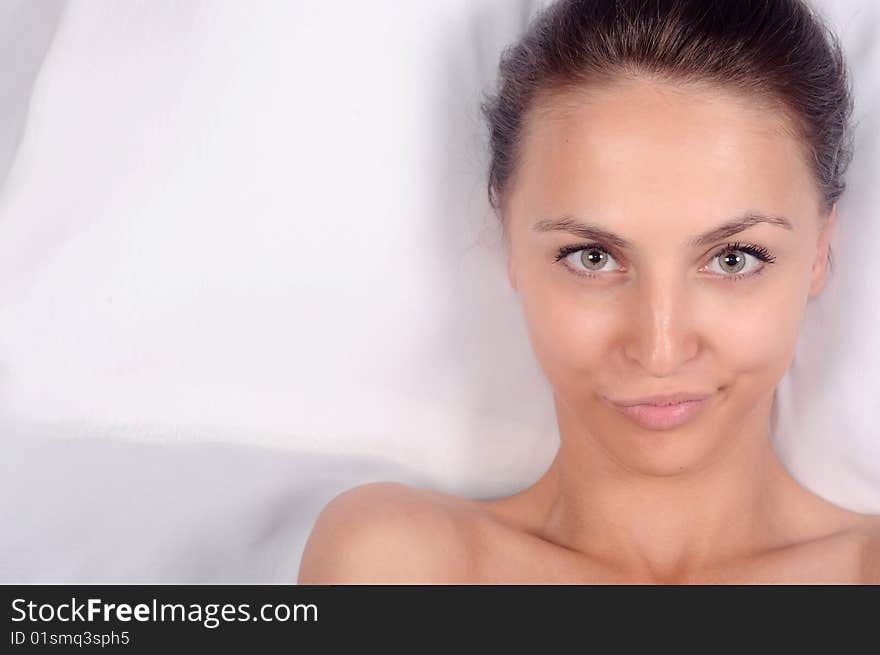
column 266, row 223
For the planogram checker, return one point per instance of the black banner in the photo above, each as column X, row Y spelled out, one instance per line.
column 159, row 618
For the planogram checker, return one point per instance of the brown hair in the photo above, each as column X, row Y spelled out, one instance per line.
column 777, row 51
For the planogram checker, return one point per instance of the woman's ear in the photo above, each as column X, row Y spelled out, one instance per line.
column 511, row 273
column 508, row 254
column 820, row 264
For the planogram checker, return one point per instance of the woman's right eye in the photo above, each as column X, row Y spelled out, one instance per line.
column 586, row 260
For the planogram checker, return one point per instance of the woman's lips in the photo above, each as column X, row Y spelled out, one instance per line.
column 662, row 417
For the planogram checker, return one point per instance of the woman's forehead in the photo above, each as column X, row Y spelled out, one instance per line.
column 639, row 144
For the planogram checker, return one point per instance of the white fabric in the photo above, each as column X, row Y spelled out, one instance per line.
column 117, row 511
column 253, row 238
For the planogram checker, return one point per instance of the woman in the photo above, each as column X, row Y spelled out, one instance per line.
column 667, row 176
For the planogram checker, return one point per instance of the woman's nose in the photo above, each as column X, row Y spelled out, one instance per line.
column 662, row 336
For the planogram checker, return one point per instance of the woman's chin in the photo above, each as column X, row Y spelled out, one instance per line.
column 666, row 455
column 664, row 445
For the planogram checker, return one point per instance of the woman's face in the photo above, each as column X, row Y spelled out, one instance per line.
column 665, row 308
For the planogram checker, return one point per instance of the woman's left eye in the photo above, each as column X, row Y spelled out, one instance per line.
column 733, row 260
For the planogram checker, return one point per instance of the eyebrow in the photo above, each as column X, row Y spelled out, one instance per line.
column 587, row 230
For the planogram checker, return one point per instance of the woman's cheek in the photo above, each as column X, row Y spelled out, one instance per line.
column 765, row 337
column 568, row 334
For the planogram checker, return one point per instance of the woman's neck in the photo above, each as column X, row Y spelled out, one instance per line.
column 735, row 503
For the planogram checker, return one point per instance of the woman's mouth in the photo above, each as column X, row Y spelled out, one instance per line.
column 662, row 417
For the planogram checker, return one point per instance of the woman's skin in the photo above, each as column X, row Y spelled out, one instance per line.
column 706, row 502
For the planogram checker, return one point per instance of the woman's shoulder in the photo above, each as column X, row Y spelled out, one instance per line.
column 388, row 533
column 850, row 540
column 871, row 553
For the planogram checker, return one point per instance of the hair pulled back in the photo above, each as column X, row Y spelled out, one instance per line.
column 776, row 51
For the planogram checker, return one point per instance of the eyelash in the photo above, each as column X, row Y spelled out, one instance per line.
column 759, row 252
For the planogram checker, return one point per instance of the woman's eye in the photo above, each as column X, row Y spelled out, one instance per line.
column 590, row 260
column 735, row 263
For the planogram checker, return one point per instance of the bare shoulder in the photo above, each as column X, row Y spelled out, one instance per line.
column 871, row 554
column 387, row 533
